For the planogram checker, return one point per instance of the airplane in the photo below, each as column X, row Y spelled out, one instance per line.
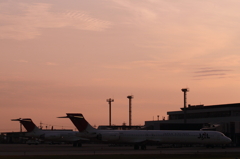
column 140, row 138
column 50, row 135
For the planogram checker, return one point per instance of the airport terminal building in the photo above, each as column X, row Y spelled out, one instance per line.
column 224, row 118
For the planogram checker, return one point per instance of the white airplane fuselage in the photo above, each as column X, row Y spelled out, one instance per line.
column 160, row 136
column 142, row 137
column 53, row 135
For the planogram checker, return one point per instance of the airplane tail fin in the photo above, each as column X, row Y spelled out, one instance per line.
column 79, row 121
column 27, row 123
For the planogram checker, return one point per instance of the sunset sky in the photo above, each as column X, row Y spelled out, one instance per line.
column 59, row 57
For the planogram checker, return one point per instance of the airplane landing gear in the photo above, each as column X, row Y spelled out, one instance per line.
column 143, row 147
column 136, row 147
column 77, row 144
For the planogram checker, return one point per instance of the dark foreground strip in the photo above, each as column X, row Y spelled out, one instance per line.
column 160, row 156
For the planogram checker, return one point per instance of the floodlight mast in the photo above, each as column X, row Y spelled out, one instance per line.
column 185, row 90
column 110, row 100
column 130, row 109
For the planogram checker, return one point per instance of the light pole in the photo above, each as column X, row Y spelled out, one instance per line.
column 185, row 90
column 110, row 100
column 130, row 109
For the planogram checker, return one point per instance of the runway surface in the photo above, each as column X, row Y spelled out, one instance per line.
column 98, row 149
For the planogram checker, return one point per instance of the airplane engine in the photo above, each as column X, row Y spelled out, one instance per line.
column 108, row 136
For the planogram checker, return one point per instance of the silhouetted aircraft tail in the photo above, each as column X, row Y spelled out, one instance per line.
column 79, row 121
column 28, row 124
